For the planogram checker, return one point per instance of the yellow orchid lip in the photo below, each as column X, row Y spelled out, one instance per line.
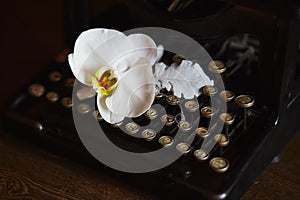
column 105, row 81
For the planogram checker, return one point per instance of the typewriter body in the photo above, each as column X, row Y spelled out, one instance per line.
column 256, row 52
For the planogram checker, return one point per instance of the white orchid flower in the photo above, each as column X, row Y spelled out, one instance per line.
column 119, row 68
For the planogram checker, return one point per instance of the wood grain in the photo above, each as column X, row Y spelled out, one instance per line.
column 281, row 180
column 30, row 172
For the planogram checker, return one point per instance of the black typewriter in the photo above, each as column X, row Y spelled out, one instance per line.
column 255, row 49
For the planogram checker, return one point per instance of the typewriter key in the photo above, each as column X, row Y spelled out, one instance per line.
column 97, row 115
column 244, row 101
column 52, row 96
column 172, row 100
column 222, row 140
column 132, row 128
column 70, row 82
column 227, row 118
column 219, row 164
column 67, row 102
column 227, row 95
column 168, row 120
column 207, row 111
column 191, row 106
column 183, row 148
column 184, row 126
column 149, row 134
column 83, row 108
column 202, row 132
column 200, row 154
column 178, row 59
column 36, row 90
column 85, row 93
column 209, row 90
column 55, row 76
column 217, row 67
column 151, row 114
column 165, row 141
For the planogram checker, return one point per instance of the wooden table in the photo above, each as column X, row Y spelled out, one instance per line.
column 31, row 35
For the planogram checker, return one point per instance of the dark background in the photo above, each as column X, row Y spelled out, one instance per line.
column 32, row 33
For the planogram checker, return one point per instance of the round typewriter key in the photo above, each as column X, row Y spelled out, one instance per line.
column 207, row 111
column 132, row 127
column 149, row 134
column 165, row 141
column 217, row 66
column 167, row 119
column 191, row 105
column 244, row 101
column 178, row 59
column 52, row 96
column 172, row 100
column 227, row 95
column 200, row 154
column 222, row 140
column 202, row 132
column 97, row 115
column 117, row 125
column 85, row 93
column 151, row 113
column 36, row 90
column 67, row 102
column 209, row 90
column 55, row 76
column 219, row 164
column 184, row 126
column 227, row 118
column 183, row 148
column 70, row 82
column 83, row 108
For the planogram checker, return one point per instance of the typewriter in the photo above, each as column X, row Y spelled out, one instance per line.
column 255, row 49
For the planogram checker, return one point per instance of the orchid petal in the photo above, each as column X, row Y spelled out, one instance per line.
column 135, row 92
column 96, row 48
column 105, row 112
column 140, row 46
column 143, row 46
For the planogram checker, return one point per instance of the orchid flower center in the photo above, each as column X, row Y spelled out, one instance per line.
column 105, row 80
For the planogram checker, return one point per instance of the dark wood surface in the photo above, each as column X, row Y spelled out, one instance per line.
column 31, row 35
